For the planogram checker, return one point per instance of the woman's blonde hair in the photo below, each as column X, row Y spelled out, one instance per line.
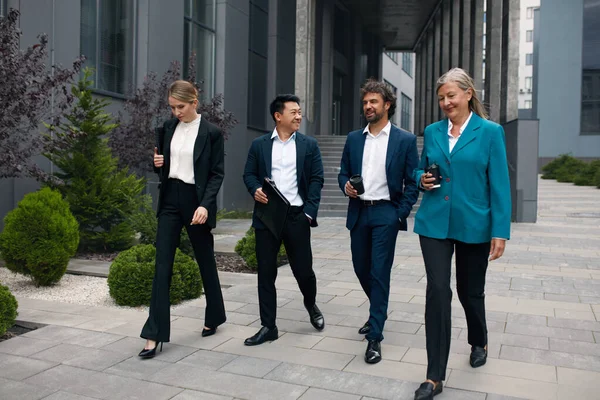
column 465, row 82
column 183, row 91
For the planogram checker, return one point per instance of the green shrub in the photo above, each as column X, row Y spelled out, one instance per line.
column 549, row 170
column 571, row 169
column 39, row 237
column 8, row 309
column 246, row 248
column 131, row 274
column 144, row 222
column 597, row 177
column 234, row 214
column 101, row 196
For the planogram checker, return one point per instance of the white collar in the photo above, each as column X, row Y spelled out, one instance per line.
column 462, row 128
column 276, row 135
column 386, row 129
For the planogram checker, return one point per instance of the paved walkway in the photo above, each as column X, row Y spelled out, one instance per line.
column 543, row 302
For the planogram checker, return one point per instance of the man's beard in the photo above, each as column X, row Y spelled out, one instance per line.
column 375, row 118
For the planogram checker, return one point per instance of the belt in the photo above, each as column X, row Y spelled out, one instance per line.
column 369, row 203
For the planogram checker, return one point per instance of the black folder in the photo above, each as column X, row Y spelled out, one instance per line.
column 274, row 213
column 159, row 138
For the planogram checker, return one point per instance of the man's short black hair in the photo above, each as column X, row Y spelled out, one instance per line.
column 278, row 104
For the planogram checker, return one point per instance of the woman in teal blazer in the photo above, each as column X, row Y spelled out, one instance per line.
column 469, row 213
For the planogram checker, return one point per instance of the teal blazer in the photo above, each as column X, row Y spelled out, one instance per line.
column 473, row 204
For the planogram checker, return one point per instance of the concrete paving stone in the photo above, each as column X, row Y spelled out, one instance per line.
column 19, row 368
column 348, row 301
column 528, row 319
column 241, row 319
column 296, row 340
column 194, row 339
column 577, row 377
column 245, row 387
column 511, row 339
column 569, row 346
column 204, row 359
column 358, row 348
column 15, row 390
column 53, row 333
column 547, row 357
column 417, row 318
column 195, row 395
column 102, row 325
column 566, row 392
column 250, row 366
column 457, row 394
column 275, row 352
column 92, row 339
column 572, row 314
column 388, row 369
column 492, row 396
column 137, row 368
column 558, row 333
column 561, row 297
column 475, row 381
column 58, row 319
column 454, row 332
column 83, row 357
column 132, row 346
column 320, row 394
column 60, row 395
column 132, row 329
column 345, row 382
column 390, row 325
column 24, row 346
column 67, row 378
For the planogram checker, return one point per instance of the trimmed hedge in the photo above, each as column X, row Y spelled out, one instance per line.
column 8, row 309
column 131, row 274
column 566, row 168
column 246, row 248
column 39, row 237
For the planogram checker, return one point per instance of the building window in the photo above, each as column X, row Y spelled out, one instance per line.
column 405, row 117
column 527, row 104
column 590, row 93
column 528, row 83
column 529, row 59
column 257, row 64
column 199, row 40
column 530, row 12
column 106, row 36
column 392, row 55
column 407, row 63
column 529, row 36
column 394, row 88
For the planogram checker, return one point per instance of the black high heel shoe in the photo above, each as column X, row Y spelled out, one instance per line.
column 149, row 353
column 208, row 332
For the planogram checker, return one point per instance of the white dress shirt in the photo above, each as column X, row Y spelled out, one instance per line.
column 182, row 151
column 283, row 167
column 373, row 164
column 453, row 139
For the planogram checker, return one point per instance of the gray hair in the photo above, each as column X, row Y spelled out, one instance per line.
column 465, row 82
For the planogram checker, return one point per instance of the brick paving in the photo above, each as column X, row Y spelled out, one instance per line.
column 543, row 302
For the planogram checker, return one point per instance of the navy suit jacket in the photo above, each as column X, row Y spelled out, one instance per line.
column 401, row 160
column 309, row 169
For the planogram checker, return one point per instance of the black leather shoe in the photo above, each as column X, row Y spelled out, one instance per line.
column 316, row 317
column 427, row 390
column 263, row 335
column 366, row 328
column 149, row 353
column 478, row 356
column 373, row 353
column 208, row 332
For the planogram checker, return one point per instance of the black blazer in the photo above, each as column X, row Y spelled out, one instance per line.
column 209, row 164
column 309, row 169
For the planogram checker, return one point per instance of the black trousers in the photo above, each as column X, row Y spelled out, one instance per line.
column 296, row 239
column 177, row 209
column 471, row 265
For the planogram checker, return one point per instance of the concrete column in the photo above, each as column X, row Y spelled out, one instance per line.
column 510, row 60
column 476, row 32
column 446, row 20
column 455, row 33
column 494, row 59
column 428, row 77
column 437, row 64
column 418, row 86
column 305, row 58
column 465, row 35
column 326, row 67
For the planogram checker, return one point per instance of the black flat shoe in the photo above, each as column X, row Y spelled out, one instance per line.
column 373, row 353
column 478, row 356
column 366, row 328
column 208, row 332
column 263, row 335
column 427, row 390
column 149, row 353
column 316, row 317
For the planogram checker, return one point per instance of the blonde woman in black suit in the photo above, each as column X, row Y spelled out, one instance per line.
column 191, row 170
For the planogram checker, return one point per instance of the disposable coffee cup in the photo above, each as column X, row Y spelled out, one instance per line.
column 357, row 183
column 434, row 170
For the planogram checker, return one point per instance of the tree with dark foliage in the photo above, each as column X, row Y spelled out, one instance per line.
column 30, row 93
column 133, row 140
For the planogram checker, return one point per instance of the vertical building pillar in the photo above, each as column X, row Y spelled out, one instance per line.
column 476, row 32
column 494, row 59
column 437, row 64
column 455, row 25
column 446, row 20
column 418, row 87
column 305, row 58
column 510, row 60
column 465, row 35
column 427, row 99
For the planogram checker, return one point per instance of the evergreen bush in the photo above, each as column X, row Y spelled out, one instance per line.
column 549, row 170
column 39, row 237
column 571, row 169
column 8, row 309
column 246, row 248
column 131, row 274
column 101, row 196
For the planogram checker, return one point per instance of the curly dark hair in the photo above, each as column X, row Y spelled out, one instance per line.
column 374, row 86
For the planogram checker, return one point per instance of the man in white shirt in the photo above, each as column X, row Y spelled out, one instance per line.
column 385, row 156
column 293, row 161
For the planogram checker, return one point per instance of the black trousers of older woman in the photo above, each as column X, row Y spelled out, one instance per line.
column 471, row 266
column 176, row 211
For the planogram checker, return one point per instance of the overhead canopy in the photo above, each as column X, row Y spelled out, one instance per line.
column 399, row 23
